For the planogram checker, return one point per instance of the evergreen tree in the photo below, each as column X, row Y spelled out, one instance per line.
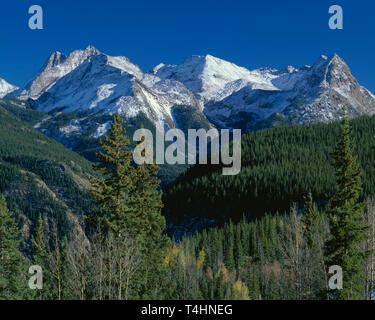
column 13, row 281
column 147, row 225
column 130, row 203
column 273, row 288
column 39, row 257
column 311, row 220
column 346, row 222
column 253, row 282
column 112, row 189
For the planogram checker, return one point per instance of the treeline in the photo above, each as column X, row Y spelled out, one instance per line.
column 279, row 167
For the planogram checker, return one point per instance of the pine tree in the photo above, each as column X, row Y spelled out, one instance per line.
column 346, row 221
column 130, row 203
column 13, row 281
column 253, row 282
column 311, row 220
column 273, row 288
column 112, row 189
column 148, row 225
column 39, row 254
column 145, row 203
column 39, row 257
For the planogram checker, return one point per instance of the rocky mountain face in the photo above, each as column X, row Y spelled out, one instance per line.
column 81, row 91
column 56, row 67
column 235, row 97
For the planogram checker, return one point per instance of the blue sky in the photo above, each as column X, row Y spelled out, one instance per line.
column 250, row 33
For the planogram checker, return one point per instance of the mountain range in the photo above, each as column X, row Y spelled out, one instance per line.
column 80, row 91
column 73, row 97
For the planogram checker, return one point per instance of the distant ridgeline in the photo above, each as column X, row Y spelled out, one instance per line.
column 279, row 166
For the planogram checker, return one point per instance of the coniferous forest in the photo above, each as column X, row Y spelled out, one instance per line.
column 302, row 203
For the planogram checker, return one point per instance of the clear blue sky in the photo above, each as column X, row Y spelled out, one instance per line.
column 250, row 33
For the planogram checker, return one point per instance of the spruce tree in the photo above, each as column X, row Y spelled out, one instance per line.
column 310, row 220
column 346, row 221
column 130, row 203
column 13, row 280
column 148, row 224
column 39, row 257
column 111, row 190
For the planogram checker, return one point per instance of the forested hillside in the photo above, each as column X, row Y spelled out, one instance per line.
column 279, row 167
column 82, row 138
column 40, row 177
column 124, row 253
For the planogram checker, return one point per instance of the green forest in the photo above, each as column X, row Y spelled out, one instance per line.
column 279, row 167
column 302, row 203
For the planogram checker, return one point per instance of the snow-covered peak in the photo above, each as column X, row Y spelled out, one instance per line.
column 108, row 85
column 211, row 78
column 77, row 57
column 6, row 88
column 308, row 94
column 57, row 66
column 324, row 62
column 229, row 95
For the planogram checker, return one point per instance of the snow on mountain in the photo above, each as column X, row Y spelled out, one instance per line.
column 228, row 95
column 6, row 88
column 57, row 66
column 212, row 79
column 113, row 84
column 235, row 97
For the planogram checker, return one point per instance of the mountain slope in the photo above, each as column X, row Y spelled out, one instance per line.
column 210, row 78
column 39, row 176
column 75, row 96
column 81, row 92
column 235, row 97
column 99, row 85
column 279, row 166
column 64, row 127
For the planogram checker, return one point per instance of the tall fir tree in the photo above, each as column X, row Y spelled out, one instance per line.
column 39, row 257
column 310, row 220
column 345, row 217
column 130, row 202
column 111, row 190
column 148, row 223
column 13, row 280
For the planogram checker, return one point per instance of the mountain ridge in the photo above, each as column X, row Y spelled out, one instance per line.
column 227, row 95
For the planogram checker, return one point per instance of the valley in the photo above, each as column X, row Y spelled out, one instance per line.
column 190, row 231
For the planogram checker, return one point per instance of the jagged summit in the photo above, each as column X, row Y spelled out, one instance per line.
column 229, row 95
column 309, row 94
column 57, row 66
column 55, row 59
column 97, row 82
